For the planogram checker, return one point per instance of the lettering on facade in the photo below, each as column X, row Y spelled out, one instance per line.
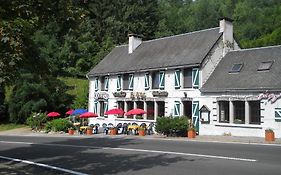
column 160, row 93
column 119, row 94
column 138, row 95
column 101, row 95
column 269, row 96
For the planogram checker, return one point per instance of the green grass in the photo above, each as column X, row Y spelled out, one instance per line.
column 5, row 127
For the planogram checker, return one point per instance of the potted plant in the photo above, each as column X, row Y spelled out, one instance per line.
column 71, row 130
column 269, row 135
column 89, row 130
column 113, row 131
column 142, row 131
column 191, row 132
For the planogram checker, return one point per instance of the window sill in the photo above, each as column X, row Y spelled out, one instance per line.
column 250, row 126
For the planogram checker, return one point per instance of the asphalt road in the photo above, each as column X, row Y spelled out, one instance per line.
column 123, row 155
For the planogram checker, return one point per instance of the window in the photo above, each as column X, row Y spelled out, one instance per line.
column 96, row 107
column 97, row 84
column 125, row 81
column 195, row 77
column 255, row 115
column 236, row 68
column 177, row 79
column 131, row 81
column 118, row 82
column 265, row 65
column 187, row 78
column 146, row 81
column 239, row 112
column 177, row 108
column 278, row 114
column 224, row 111
column 158, row 80
column 104, row 83
column 103, row 107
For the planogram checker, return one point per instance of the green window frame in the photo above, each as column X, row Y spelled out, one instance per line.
column 195, row 77
column 118, row 82
column 146, row 81
column 177, row 79
column 106, row 79
column 131, row 81
column 177, row 107
column 161, row 79
column 277, row 114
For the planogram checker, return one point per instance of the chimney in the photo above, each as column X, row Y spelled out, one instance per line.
column 226, row 27
column 134, row 42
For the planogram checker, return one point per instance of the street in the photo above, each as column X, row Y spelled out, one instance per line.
column 133, row 155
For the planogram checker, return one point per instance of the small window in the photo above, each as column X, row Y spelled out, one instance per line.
column 265, row 65
column 236, row 68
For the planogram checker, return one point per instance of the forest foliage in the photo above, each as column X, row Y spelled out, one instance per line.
column 67, row 38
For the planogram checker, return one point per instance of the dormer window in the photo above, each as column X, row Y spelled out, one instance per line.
column 265, row 65
column 236, row 68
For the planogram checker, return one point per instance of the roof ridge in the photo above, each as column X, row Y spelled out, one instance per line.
column 255, row 48
column 167, row 37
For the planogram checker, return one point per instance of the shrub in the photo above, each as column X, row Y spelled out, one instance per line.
column 172, row 126
column 58, row 125
column 37, row 121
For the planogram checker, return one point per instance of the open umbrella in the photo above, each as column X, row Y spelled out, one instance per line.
column 53, row 114
column 69, row 112
column 136, row 111
column 114, row 111
column 79, row 111
column 88, row 115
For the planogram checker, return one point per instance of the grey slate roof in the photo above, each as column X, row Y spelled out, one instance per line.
column 180, row 50
column 248, row 78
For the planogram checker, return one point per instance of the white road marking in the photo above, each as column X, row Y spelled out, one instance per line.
column 42, row 165
column 138, row 150
column 183, row 154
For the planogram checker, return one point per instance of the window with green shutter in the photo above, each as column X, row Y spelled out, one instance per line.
column 118, row 82
column 131, row 81
column 177, row 108
column 195, row 77
column 96, row 107
column 97, row 84
column 146, row 81
column 106, row 79
column 162, row 79
column 195, row 115
column 177, row 79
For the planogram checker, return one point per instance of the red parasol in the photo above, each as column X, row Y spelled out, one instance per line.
column 69, row 112
column 136, row 111
column 88, row 115
column 114, row 111
column 53, row 114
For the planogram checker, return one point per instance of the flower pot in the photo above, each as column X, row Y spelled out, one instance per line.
column 89, row 131
column 113, row 131
column 142, row 132
column 70, row 131
column 191, row 133
column 269, row 136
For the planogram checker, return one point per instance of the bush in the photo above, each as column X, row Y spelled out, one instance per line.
column 58, row 125
column 37, row 121
column 172, row 126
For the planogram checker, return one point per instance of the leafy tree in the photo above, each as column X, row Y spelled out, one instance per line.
column 33, row 93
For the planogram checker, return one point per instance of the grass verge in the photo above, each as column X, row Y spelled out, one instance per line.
column 5, row 127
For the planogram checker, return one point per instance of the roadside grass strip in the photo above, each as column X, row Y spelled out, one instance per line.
column 42, row 165
column 137, row 150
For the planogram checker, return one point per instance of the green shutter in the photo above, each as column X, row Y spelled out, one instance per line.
column 195, row 115
column 161, row 79
column 96, row 107
column 195, row 77
column 105, row 106
column 106, row 83
column 146, row 81
column 277, row 114
column 131, row 81
column 118, row 82
column 96, row 84
column 177, row 79
column 177, row 108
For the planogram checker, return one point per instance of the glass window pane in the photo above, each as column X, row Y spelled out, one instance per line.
column 236, row 68
column 265, row 65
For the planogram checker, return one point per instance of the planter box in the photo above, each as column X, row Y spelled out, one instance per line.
column 113, row 131
column 191, row 134
column 71, row 131
column 142, row 132
column 89, row 131
column 269, row 136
